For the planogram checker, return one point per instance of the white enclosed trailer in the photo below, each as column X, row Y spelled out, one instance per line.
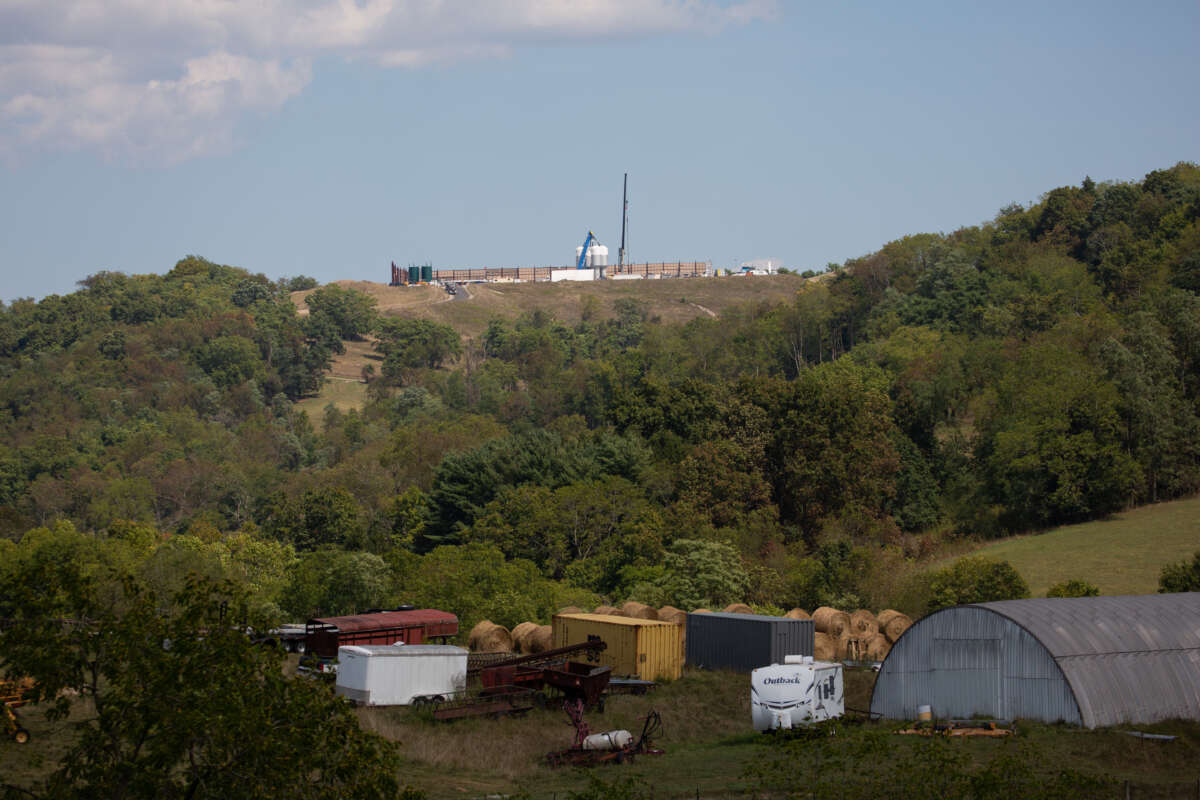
column 392, row 675
column 800, row 691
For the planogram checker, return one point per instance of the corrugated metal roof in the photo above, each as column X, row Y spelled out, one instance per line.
column 406, row 651
column 614, row 620
column 384, row 620
column 1073, row 626
column 1095, row 661
column 1130, row 658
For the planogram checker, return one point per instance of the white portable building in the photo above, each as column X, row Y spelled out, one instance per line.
column 392, row 675
column 585, row 274
column 800, row 691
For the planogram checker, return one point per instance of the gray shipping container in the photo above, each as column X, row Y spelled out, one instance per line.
column 744, row 642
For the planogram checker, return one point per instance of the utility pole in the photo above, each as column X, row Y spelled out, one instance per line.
column 624, row 219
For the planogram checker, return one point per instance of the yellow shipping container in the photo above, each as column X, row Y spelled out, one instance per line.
column 643, row 648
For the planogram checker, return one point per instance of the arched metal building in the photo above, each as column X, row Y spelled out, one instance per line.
column 1091, row 661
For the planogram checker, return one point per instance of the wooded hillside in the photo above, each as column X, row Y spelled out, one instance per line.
column 1038, row 369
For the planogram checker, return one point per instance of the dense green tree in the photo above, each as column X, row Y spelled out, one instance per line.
column 413, row 343
column 1051, row 445
column 350, row 311
column 184, row 703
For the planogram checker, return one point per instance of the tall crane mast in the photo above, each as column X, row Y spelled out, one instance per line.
column 624, row 219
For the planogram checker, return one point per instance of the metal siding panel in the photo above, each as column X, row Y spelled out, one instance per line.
column 967, row 661
column 744, row 642
column 635, row 647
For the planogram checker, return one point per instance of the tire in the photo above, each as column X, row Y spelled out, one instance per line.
column 20, row 736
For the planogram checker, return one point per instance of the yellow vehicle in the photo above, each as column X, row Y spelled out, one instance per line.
column 14, row 694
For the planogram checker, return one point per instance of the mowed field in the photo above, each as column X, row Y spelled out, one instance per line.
column 673, row 300
column 1120, row 555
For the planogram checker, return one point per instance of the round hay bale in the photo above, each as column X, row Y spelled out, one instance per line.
column 843, row 646
column 797, row 613
column 607, row 611
column 540, row 639
column 673, row 615
column 895, row 625
column 520, row 635
column 738, row 608
column 570, row 610
column 636, row 610
column 824, row 648
column 701, row 611
column 877, row 647
column 488, row 637
column 831, row 621
column 863, row 624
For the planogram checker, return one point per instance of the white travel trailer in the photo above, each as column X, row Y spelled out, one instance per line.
column 799, row 691
column 392, row 675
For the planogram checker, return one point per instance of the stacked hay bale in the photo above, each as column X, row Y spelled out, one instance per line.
column 877, row 648
column 831, row 621
column 673, row 615
column 824, row 647
column 892, row 624
column 570, row 610
column 863, row 624
column 540, row 639
column 520, row 635
column 701, row 611
column 797, row 613
column 860, row 636
column 636, row 610
column 607, row 611
column 488, row 637
column 738, row 608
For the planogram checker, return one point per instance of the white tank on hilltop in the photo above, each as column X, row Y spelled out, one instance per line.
column 798, row 692
column 597, row 256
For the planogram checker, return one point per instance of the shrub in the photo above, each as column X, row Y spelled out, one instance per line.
column 975, row 579
column 1073, row 588
column 1181, row 577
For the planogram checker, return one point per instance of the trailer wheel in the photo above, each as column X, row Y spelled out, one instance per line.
column 20, row 736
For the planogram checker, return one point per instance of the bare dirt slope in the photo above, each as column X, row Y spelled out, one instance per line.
column 673, row 300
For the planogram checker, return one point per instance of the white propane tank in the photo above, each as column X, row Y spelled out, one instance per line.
column 610, row 740
column 598, row 256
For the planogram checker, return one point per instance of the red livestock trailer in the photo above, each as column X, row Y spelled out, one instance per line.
column 325, row 635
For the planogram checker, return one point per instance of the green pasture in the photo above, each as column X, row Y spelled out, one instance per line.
column 1122, row 555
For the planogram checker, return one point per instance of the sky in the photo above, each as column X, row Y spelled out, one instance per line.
column 331, row 137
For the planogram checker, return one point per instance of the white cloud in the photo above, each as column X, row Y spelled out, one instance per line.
column 167, row 80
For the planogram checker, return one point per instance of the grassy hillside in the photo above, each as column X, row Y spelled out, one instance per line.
column 1121, row 555
column 674, row 300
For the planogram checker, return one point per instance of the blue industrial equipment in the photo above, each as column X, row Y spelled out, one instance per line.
column 591, row 237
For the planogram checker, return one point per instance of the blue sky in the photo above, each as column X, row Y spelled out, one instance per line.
column 328, row 138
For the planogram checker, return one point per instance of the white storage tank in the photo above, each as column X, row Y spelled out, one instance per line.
column 392, row 675
column 598, row 256
column 800, row 691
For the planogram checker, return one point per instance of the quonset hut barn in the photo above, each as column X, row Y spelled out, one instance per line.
column 1091, row 661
